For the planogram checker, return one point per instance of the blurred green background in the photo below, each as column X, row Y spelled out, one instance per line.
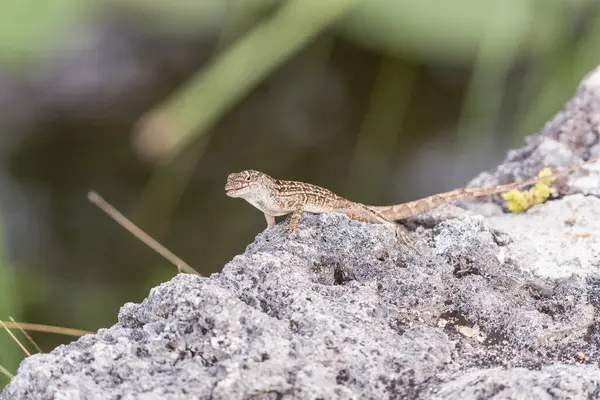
column 152, row 103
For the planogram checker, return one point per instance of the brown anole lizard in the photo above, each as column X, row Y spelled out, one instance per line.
column 278, row 197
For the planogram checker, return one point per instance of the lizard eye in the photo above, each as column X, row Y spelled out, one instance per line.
column 248, row 178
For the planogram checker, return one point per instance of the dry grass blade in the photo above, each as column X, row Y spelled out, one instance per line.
column 5, row 372
column 38, row 348
column 46, row 328
column 140, row 234
column 15, row 339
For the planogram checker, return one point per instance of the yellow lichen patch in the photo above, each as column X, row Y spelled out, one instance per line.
column 519, row 202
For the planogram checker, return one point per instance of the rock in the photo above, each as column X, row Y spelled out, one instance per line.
column 553, row 382
column 342, row 310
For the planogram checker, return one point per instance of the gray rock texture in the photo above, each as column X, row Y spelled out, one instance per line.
column 343, row 311
column 484, row 305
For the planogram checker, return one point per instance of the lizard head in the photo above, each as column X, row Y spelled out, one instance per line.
column 247, row 183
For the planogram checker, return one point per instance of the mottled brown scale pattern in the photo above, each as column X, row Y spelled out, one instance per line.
column 278, row 197
column 302, row 194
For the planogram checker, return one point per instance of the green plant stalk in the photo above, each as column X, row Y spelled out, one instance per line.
column 483, row 100
column 574, row 58
column 543, row 90
column 373, row 154
column 242, row 67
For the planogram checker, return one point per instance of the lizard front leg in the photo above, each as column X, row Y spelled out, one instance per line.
column 294, row 221
column 270, row 219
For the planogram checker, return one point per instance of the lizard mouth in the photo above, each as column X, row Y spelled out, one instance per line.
column 233, row 189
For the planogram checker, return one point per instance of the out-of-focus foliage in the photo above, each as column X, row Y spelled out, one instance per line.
column 178, row 16
column 492, row 33
column 26, row 26
column 239, row 69
column 453, row 30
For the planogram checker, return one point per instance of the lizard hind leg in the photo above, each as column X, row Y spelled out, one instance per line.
column 364, row 213
column 397, row 229
column 400, row 234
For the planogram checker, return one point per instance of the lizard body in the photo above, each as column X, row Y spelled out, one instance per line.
column 278, row 197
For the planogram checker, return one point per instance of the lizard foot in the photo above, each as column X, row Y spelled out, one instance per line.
column 401, row 235
column 291, row 228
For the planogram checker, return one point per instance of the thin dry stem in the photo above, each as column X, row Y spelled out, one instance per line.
column 46, row 328
column 38, row 348
column 140, row 234
column 15, row 339
column 5, row 372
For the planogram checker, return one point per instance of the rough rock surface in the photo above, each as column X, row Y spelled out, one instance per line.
column 479, row 308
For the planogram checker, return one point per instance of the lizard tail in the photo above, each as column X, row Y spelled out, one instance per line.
column 410, row 209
